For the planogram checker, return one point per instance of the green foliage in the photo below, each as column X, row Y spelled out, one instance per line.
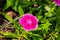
column 46, row 11
column 20, row 11
column 9, row 34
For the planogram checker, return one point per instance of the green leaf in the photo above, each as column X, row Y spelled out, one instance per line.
column 47, row 8
column 15, row 5
column 20, row 10
column 8, row 4
column 14, row 39
column 5, row 7
column 52, row 19
column 37, row 38
column 44, row 26
column 58, row 37
column 49, row 14
column 9, row 34
column 7, row 17
column 28, row 3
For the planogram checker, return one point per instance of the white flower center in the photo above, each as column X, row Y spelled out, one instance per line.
column 29, row 21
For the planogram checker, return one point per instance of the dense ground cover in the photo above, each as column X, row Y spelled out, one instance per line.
column 29, row 19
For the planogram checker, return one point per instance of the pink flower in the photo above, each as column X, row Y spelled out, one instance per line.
column 29, row 22
column 57, row 2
